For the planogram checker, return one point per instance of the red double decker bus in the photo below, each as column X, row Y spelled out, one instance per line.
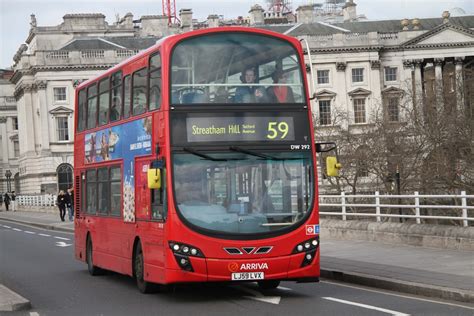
column 195, row 162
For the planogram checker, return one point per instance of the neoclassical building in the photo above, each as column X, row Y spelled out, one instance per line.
column 53, row 60
column 361, row 67
column 9, row 143
column 357, row 64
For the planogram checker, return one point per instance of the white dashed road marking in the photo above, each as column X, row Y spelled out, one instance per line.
column 61, row 238
column 383, row 310
column 60, row 244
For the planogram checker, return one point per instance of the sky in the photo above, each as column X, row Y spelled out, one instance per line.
column 15, row 14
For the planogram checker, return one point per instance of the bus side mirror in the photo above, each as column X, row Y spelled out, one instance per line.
column 154, row 178
column 332, row 166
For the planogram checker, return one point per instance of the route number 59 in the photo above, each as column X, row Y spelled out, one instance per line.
column 276, row 128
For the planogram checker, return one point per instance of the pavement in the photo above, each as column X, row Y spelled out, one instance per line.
column 438, row 273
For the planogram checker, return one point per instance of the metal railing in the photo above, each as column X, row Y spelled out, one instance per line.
column 47, row 200
column 349, row 202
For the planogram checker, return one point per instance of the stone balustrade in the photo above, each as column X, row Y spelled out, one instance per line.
column 85, row 57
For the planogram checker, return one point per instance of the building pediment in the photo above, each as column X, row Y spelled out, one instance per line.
column 61, row 110
column 445, row 34
column 392, row 90
column 359, row 92
column 325, row 94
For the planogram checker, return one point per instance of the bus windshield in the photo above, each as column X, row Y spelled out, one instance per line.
column 243, row 191
column 235, row 68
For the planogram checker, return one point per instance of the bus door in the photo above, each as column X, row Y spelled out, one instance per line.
column 150, row 210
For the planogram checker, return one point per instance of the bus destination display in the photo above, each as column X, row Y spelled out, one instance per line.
column 219, row 129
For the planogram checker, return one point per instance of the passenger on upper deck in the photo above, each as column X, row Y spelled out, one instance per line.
column 250, row 94
column 280, row 94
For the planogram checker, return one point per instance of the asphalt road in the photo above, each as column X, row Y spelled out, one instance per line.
column 39, row 265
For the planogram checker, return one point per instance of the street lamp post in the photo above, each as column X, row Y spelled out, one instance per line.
column 8, row 175
column 397, row 179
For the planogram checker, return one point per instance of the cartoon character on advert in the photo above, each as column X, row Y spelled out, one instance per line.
column 92, row 153
column 104, row 147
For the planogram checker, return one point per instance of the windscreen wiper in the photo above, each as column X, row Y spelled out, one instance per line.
column 253, row 153
column 197, row 153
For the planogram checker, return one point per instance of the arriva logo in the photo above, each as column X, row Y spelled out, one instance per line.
column 254, row 266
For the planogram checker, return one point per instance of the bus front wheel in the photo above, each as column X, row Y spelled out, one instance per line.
column 93, row 270
column 139, row 271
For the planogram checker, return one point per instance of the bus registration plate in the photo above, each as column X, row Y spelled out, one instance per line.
column 241, row 276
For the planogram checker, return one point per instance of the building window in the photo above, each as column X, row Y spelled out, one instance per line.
column 452, row 83
column 59, row 94
column 16, row 149
column 359, row 111
column 15, row 123
column 325, row 112
column 390, row 73
column 323, row 76
column 64, row 173
column 362, row 170
column 358, row 75
column 62, row 129
column 393, row 109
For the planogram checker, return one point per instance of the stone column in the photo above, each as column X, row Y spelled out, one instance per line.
column 28, row 127
column 438, row 62
column 458, row 61
column 41, row 86
column 418, row 90
column 4, row 144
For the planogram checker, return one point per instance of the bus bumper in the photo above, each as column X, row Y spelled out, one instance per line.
column 237, row 270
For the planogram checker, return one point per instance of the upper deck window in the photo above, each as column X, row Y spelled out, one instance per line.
column 236, row 68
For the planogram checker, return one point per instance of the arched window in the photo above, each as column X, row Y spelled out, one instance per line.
column 65, row 178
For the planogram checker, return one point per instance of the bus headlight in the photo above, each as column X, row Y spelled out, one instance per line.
column 307, row 245
column 308, row 248
column 308, row 258
column 184, row 249
column 183, row 252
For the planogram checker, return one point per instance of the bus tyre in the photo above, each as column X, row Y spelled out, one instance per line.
column 93, row 270
column 268, row 285
column 139, row 272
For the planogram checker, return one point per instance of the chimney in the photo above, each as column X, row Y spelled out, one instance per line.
column 213, row 20
column 256, row 15
column 126, row 22
column 349, row 11
column 84, row 21
column 305, row 14
column 154, row 25
column 186, row 17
